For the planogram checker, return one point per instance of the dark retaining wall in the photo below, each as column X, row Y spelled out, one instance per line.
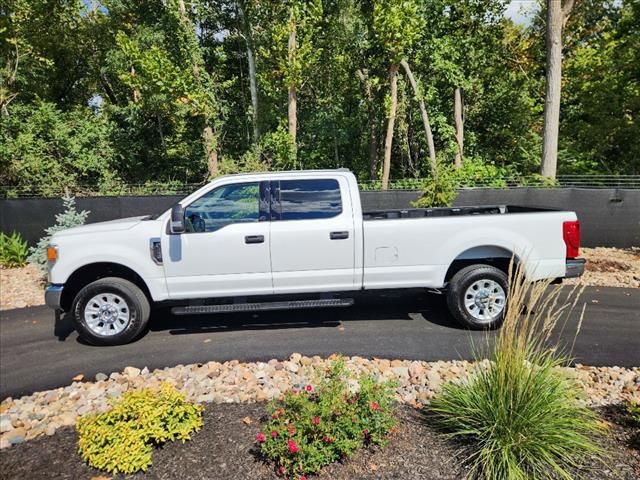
column 609, row 217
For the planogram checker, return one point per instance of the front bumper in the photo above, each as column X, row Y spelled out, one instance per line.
column 575, row 267
column 53, row 295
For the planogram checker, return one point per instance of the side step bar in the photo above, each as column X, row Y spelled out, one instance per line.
column 263, row 306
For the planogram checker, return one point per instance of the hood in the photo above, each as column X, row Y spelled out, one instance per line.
column 109, row 226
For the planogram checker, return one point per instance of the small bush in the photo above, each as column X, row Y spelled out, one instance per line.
column 520, row 413
column 68, row 219
column 13, row 250
column 121, row 440
column 440, row 189
column 312, row 428
column 633, row 408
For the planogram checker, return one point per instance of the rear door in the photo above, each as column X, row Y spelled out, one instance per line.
column 312, row 235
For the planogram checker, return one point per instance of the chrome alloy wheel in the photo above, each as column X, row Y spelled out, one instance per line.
column 485, row 300
column 107, row 314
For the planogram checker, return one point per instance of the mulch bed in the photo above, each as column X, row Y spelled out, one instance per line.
column 225, row 449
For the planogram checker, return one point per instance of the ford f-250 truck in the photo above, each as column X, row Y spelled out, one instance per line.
column 299, row 239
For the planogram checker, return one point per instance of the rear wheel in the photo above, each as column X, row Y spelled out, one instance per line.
column 477, row 296
column 110, row 311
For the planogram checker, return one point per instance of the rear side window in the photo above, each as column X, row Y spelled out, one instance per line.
column 309, row 199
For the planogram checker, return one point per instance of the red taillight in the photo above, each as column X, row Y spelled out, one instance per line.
column 571, row 235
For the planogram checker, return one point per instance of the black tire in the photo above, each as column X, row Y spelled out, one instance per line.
column 137, row 304
column 457, row 290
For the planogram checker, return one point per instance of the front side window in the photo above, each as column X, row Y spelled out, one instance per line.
column 234, row 203
column 309, row 199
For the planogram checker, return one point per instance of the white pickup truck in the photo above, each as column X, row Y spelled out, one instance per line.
column 297, row 239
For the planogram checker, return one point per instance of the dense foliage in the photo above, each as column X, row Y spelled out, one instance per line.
column 121, row 440
column 520, row 414
column 13, row 250
column 95, row 94
column 314, row 426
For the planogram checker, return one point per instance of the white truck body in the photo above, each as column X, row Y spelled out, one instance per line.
column 265, row 253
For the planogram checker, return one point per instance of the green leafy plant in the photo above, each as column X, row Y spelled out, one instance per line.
column 13, row 250
column 633, row 407
column 440, row 189
column 520, row 413
column 310, row 428
column 69, row 218
column 121, row 440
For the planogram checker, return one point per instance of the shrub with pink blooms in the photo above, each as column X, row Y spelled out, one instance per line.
column 317, row 425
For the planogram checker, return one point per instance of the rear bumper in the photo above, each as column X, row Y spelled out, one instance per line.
column 53, row 295
column 575, row 267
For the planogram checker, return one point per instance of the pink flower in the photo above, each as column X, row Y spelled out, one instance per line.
column 293, row 447
column 309, row 388
column 302, row 477
column 261, row 437
column 316, row 420
column 327, row 440
column 274, row 434
column 375, row 406
column 282, row 470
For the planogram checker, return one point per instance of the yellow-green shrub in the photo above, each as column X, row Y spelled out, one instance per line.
column 121, row 440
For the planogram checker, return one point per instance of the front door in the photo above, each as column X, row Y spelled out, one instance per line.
column 224, row 250
column 312, row 236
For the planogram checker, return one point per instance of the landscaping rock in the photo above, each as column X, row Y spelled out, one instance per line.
column 42, row 413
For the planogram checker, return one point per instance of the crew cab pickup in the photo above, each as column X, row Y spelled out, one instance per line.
column 297, row 240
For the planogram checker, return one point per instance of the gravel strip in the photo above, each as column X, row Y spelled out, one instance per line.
column 610, row 267
column 21, row 287
column 45, row 412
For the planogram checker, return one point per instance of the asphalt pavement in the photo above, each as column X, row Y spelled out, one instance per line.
column 38, row 351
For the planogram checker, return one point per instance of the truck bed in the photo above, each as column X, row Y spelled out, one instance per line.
column 449, row 211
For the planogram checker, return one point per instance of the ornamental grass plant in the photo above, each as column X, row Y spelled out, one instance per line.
column 519, row 414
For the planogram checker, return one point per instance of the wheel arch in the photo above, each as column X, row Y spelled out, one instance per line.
column 86, row 274
column 495, row 255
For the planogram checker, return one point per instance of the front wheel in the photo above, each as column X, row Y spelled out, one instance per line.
column 110, row 311
column 477, row 296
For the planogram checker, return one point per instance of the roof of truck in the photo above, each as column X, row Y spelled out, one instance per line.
column 284, row 172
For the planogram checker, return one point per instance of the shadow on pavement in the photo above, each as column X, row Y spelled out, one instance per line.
column 367, row 308
column 399, row 306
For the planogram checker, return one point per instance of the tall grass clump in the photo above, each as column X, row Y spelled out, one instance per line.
column 520, row 413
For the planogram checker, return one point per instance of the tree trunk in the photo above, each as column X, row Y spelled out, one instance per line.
column 293, row 97
column 459, row 120
column 557, row 16
column 211, row 151
column 371, row 120
column 423, row 111
column 388, row 142
column 552, row 94
column 251, row 60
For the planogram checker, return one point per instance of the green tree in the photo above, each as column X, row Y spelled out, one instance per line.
column 397, row 25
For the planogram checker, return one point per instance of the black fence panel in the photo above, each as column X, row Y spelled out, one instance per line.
column 31, row 216
column 609, row 217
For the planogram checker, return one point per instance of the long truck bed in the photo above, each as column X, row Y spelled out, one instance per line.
column 449, row 211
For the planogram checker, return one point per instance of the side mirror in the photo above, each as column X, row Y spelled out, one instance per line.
column 177, row 219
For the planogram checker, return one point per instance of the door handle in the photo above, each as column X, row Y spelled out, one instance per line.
column 254, row 239
column 339, row 235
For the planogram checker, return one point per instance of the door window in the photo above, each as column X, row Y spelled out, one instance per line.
column 309, row 199
column 222, row 206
